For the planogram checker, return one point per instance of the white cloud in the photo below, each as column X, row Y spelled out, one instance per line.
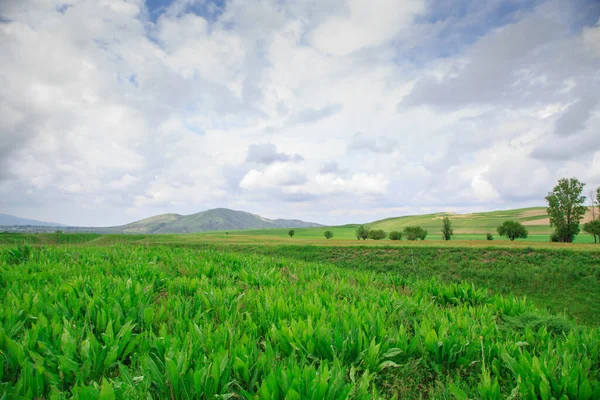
column 591, row 38
column 365, row 23
column 361, row 184
column 107, row 115
column 273, row 176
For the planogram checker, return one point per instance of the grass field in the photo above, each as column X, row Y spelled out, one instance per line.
column 206, row 321
column 466, row 226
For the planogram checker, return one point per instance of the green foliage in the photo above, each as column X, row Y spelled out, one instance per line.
column 512, row 230
column 447, row 230
column 362, row 232
column 291, row 232
column 17, row 255
column 377, row 234
column 175, row 322
column 565, row 208
column 414, row 233
column 395, row 235
column 536, row 273
column 328, row 234
column 593, row 228
column 489, row 236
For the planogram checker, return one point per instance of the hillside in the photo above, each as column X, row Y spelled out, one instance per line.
column 11, row 220
column 535, row 220
column 218, row 219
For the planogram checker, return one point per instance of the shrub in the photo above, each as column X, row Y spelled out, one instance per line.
column 414, row 233
column 489, row 236
column 377, row 234
column 593, row 228
column 362, row 232
column 328, row 234
column 512, row 230
column 395, row 235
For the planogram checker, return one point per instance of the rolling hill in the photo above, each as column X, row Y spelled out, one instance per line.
column 11, row 220
column 535, row 220
column 471, row 226
column 218, row 219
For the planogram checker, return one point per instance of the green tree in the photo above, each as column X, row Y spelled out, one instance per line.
column 565, row 208
column 414, row 233
column 328, row 234
column 590, row 227
column 593, row 228
column 447, row 230
column 512, row 230
column 377, row 234
column 362, row 232
column 291, row 232
column 395, row 235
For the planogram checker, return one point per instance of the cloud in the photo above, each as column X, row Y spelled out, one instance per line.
column 330, row 167
column 313, row 115
column 113, row 110
column 574, row 118
column 361, row 184
column 273, row 176
column 376, row 144
column 514, row 66
column 591, row 38
column 266, row 153
column 365, row 24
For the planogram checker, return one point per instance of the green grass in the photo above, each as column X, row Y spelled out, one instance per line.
column 561, row 281
column 128, row 321
column 348, row 233
column 467, row 223
column 46, row 238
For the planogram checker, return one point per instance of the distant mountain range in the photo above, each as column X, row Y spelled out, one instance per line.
column 218, row 219
column 11, row 220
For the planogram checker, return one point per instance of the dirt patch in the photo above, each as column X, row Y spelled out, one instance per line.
column 532, row 213
column 537, row 222
column 546, row 221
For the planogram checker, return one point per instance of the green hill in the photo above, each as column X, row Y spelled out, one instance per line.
column 535, row 220
column 218, row 219
column 472, row 226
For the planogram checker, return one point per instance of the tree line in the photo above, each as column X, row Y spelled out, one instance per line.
column 565, row 207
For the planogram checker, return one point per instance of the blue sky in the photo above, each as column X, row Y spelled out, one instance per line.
column 333, row 111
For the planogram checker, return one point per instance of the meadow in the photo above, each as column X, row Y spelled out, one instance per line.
column 122, row 317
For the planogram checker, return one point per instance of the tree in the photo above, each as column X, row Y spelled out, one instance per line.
column 414, row 233
column 328, row 234
column 291, row 232
column 362, row 232
column 593, row 228
column 565, row 208
column 395, row 235
column 489, row 236
column 377, row 234
column 512, row 230
column 447, row 230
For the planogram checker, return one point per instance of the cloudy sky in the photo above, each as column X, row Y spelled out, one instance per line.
column 332, row 111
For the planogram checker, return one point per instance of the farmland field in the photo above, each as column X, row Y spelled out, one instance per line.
column 199, row 321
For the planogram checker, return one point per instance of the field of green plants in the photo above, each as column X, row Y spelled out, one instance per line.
column 129, row 321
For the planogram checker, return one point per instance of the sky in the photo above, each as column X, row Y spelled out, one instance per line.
column 332, row 111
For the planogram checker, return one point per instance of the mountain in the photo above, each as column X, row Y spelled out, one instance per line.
column 11, row 220
column 218, row 219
